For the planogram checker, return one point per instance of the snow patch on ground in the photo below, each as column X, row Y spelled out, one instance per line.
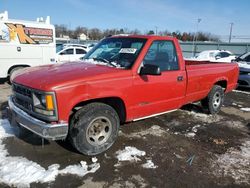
column 130, row 154
column 190, row 135
column 80, row 169
column 245, row 109
column 234, row 163
column 5, row 129
column 155, row 130
column 94, row 159
column 21, row 172
column 193, row 132
column 244, row 92
column 195, row 128
column 149, row 164
column 238, row 105
column 204, row 117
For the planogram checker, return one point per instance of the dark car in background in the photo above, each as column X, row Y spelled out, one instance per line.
column 244, row 64
column 244, row 77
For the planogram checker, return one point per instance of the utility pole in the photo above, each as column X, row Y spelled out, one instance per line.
column 195, row 35
column 156, row 30
column 231, row 30
column 68, row 41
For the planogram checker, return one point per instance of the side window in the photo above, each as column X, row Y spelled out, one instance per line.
column 80, row 51
column 211, row 54
column 224, row 54
column 247, row 59
column 163, row 54
column 67, row 52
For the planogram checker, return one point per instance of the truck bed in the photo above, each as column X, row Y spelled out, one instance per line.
column 195, row 62
column 202, row 75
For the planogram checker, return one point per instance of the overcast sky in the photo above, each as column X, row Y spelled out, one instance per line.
column 144, row 15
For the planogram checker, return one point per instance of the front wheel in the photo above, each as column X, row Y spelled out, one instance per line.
column 214, row 100
column 94, row 128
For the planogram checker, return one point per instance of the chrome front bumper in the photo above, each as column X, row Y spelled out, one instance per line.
column 43, row 129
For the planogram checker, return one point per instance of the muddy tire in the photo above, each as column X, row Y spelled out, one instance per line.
column 94, row 128
column 214, row 100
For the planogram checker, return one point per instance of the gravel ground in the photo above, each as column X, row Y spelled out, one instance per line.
column 186, row 148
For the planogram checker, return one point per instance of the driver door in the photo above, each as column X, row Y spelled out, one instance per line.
column 157, row 94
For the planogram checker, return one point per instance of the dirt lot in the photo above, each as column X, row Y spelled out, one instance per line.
column 186, row 148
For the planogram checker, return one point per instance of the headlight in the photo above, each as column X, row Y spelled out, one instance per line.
column 44, row 103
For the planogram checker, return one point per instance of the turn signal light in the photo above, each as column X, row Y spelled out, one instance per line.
column 49, row 102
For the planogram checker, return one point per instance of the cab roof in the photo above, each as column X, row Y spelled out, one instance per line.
column 154, row 37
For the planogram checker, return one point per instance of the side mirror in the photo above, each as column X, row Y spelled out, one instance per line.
column 149, row 69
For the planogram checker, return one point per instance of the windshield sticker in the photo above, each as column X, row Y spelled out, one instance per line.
column 127, row 50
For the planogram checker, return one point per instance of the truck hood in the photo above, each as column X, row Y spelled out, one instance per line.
column 50, row 77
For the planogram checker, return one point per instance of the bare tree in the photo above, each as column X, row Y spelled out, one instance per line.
column 61, row 30
column 97, row 34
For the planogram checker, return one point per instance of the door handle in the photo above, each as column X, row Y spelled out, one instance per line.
column 180, row 78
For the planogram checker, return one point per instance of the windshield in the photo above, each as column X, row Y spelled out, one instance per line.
column 116, row 52
column 59, row 47
column 245, row 56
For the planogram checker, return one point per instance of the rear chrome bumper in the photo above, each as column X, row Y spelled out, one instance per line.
column 41, row 128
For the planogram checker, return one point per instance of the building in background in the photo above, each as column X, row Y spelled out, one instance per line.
column 83, row 36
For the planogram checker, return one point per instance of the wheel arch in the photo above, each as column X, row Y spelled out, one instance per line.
column 115, row 102
column 15, row 66
column 222, row 83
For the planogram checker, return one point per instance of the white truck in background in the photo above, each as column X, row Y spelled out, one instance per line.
column 25, row 44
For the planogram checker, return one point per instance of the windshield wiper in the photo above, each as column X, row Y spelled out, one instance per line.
column 104, row 61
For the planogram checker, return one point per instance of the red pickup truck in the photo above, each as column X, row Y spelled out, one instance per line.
column 122, row 79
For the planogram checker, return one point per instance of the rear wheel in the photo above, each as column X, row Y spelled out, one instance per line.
column 214, row 100
column 94, row 128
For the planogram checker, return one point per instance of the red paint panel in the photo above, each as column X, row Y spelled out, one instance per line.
column 142, row 95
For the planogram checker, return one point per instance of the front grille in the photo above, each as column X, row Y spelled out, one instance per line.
column 22, row 90
column 24, row 100
column 22, row 97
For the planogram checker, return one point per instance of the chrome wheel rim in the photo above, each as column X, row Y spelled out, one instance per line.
column 99, row 131
column 216, row 100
